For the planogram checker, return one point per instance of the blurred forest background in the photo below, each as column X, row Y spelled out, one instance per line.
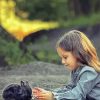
column 29, row 29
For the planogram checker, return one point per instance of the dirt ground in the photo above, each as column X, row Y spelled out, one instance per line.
column 38, row 74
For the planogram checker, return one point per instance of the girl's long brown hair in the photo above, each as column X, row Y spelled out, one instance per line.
column 79, row 44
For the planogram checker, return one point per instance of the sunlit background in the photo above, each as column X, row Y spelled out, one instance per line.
column 29, row 30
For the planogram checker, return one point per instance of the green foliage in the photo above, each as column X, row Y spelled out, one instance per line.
column 68, row 13
column 56, row 9
column 44, row 10
column 81, row 21
column 13, row 54
column 48, row 56
column 43, row 51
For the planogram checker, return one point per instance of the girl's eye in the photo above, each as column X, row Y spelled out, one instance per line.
column 65, row 57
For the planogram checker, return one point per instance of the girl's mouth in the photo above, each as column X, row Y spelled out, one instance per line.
column 66, row 65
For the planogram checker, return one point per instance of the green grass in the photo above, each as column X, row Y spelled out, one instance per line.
column 81, row 21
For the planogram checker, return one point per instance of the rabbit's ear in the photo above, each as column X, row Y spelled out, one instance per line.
column 27, row 83
column 22, row 83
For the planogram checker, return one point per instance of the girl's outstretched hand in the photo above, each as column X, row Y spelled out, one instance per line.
column 42, row 94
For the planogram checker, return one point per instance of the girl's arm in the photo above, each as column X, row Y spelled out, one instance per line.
column 42, row 94
column 83, row 87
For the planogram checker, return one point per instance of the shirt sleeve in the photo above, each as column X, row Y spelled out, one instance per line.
column 83, row 87
column 63, row 89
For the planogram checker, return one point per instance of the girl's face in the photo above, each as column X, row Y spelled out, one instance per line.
column 68, row 59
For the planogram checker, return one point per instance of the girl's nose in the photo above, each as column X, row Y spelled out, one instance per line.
column 63, row 61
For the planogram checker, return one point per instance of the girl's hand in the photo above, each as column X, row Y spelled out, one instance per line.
column 42, row 94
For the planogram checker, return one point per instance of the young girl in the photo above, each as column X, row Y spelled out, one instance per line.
column 79, row 55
